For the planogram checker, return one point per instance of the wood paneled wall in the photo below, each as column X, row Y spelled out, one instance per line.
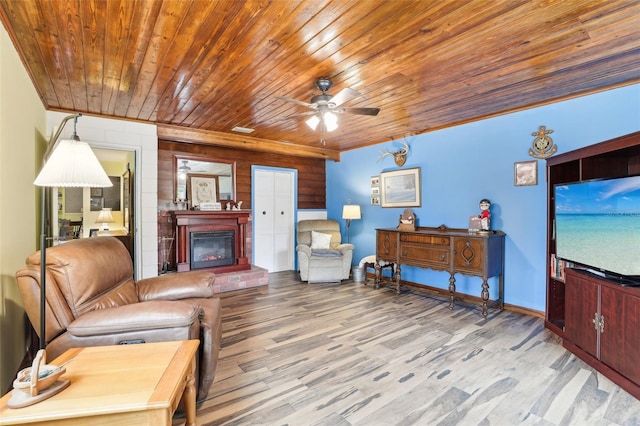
column 311, row 172
column 311, row 184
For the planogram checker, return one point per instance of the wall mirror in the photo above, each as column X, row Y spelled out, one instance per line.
column 193, row 174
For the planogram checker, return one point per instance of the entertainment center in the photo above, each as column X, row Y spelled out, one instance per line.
column 593, row 302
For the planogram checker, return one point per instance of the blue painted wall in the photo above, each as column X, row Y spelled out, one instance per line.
column 463, row 164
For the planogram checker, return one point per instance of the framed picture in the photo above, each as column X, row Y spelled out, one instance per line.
column 96, row 203
column 96, row 192
column 525, row 173
column 202, row 188
column 93, row 232
column 400, row 188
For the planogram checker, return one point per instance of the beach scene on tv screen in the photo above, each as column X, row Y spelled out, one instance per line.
column 597, row 223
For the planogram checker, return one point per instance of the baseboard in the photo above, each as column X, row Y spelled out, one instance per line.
column 443, row 292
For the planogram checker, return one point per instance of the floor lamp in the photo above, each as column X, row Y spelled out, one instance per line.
column 350, row 212
column 67, row 163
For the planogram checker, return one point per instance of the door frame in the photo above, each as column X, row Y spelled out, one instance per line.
column 294, row 173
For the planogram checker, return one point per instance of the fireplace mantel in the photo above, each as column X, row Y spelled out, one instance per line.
column 187, row 221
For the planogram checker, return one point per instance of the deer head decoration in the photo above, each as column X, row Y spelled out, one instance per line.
column 400, row 156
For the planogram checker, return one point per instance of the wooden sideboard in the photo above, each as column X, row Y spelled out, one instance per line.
column 446, row 249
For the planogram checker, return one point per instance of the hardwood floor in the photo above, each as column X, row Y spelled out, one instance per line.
column 327, row 354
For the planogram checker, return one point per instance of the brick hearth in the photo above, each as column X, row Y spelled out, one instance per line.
column 230, row 281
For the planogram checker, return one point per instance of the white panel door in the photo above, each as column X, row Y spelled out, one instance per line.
column 273, row 219
column 263, row 222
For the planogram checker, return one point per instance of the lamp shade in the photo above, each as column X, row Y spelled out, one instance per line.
column 313, row 122
column 351, row 211
column 330, row 121
column 105, row 216
column 73, row 164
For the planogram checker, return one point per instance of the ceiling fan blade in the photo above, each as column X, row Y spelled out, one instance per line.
column 361, row 111
column 300, row 114
column 344, row 95
column 295, row 101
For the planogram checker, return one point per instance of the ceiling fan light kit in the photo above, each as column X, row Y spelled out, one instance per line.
column 328, row 119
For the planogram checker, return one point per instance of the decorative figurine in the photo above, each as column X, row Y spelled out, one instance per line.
column 407, row 221
column 485, row 214
column 542, row 146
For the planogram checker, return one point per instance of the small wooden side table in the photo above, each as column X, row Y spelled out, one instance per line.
column 123, row 384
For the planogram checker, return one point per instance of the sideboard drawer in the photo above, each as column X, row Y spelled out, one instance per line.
column 435, row 256
column 439, row 240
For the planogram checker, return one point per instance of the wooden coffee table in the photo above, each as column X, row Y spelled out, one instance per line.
column 124, row 384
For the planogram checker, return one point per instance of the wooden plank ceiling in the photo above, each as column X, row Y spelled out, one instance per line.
column 199, row 68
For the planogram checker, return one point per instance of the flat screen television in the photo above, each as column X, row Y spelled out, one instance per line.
column 597, row 226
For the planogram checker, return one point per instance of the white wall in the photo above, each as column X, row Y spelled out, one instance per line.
column 143, row 139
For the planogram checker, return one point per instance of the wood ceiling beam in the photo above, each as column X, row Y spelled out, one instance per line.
column 208, row 137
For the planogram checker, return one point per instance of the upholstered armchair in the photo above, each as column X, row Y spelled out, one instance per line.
column 93, row 300
column 321, row 255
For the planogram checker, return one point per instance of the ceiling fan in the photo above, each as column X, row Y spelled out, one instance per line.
column 324, row 107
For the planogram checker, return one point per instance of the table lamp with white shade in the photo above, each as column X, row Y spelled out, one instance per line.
column 350, row 212
column 105, row 217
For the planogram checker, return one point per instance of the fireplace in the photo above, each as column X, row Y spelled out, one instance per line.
column 212, row 240
column 212, row 248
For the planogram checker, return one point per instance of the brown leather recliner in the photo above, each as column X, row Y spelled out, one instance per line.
column 93, row 300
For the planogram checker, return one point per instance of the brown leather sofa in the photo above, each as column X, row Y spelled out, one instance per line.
column 93, row 300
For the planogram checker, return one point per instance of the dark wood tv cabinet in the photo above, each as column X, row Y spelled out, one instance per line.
column 598, row 320
column 602, row 326
column 446, row 249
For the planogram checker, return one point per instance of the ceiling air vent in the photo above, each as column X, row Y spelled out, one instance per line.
column 242, row 129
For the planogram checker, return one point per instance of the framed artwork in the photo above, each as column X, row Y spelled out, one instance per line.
column 108, row 197
column 93, row 232
column 96, row 204
column 525, row 173
column 375, row 190
column 400, row 188
column 202, row 188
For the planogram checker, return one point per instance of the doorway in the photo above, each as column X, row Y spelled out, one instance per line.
column 274, row 195
column 80, row 207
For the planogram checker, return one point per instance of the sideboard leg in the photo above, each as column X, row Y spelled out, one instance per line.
column 452, row 290
column 485, row 296
column 398, row 279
